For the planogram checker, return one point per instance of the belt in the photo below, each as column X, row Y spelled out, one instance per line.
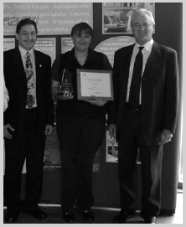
column 33, row 108
column 129, row 106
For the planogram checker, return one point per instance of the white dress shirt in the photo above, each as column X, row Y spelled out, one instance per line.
column 146, row 52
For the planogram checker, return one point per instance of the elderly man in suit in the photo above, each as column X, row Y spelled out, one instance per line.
column 146, row 87
column 27, row 120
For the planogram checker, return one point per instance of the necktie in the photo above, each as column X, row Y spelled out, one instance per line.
column 30, row 81
column 136, row 79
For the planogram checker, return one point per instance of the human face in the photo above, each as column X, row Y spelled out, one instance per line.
column 142, row 28
column 81, row 41
column 27, row 36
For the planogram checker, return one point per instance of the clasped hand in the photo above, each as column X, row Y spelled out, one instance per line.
column 8, row 131
column 165, row 137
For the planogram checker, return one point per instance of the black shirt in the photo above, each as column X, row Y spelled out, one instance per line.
column 95, row 61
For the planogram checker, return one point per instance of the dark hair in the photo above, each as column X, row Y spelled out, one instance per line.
column 24, row 22
column 82, row 27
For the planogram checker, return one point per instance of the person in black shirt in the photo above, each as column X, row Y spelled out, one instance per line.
column 80, row 124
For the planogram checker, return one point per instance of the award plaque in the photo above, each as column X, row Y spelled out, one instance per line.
column 65, row 89
column 94, row 84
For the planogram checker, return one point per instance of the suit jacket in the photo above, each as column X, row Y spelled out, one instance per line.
column 159, row 91
column 15, row 79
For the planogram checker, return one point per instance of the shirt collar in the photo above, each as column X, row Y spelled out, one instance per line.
column 147, row 46
column 24, row 51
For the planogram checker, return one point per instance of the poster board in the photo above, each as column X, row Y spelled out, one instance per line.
column 8, row 43
column 116, row 16
column 66, row 44
column 51, row 18
column 47, row 46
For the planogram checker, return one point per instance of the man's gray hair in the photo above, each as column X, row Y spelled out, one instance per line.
column 140, row 11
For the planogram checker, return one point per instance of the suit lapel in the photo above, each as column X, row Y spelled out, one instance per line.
column 36, row 62
column 153, row 62
column 19, row 67
column 37, row 67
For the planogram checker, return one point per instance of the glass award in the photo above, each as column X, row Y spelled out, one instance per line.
column 65, row 89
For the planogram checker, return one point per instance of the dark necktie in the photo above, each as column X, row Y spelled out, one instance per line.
column 136, row 79
column 30, row 83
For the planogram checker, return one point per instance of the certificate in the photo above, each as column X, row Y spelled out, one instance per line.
column 94, row 84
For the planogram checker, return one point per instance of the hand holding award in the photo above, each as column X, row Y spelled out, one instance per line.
column 94, row 86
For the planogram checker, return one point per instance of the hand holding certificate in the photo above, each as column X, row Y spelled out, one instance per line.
column 94, row 86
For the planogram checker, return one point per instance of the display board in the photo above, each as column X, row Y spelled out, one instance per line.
column 47, row 46
column 8, row 43
column 51, row 18
column 116, row 15
column 110, row 45
column 66, row 44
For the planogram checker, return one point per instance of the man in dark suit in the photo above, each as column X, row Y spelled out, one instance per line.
column 145, row 83
column 27, row 120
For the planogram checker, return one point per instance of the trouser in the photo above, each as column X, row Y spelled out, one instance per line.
column 29, row 145
column 151, row 166
column 79, row 139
